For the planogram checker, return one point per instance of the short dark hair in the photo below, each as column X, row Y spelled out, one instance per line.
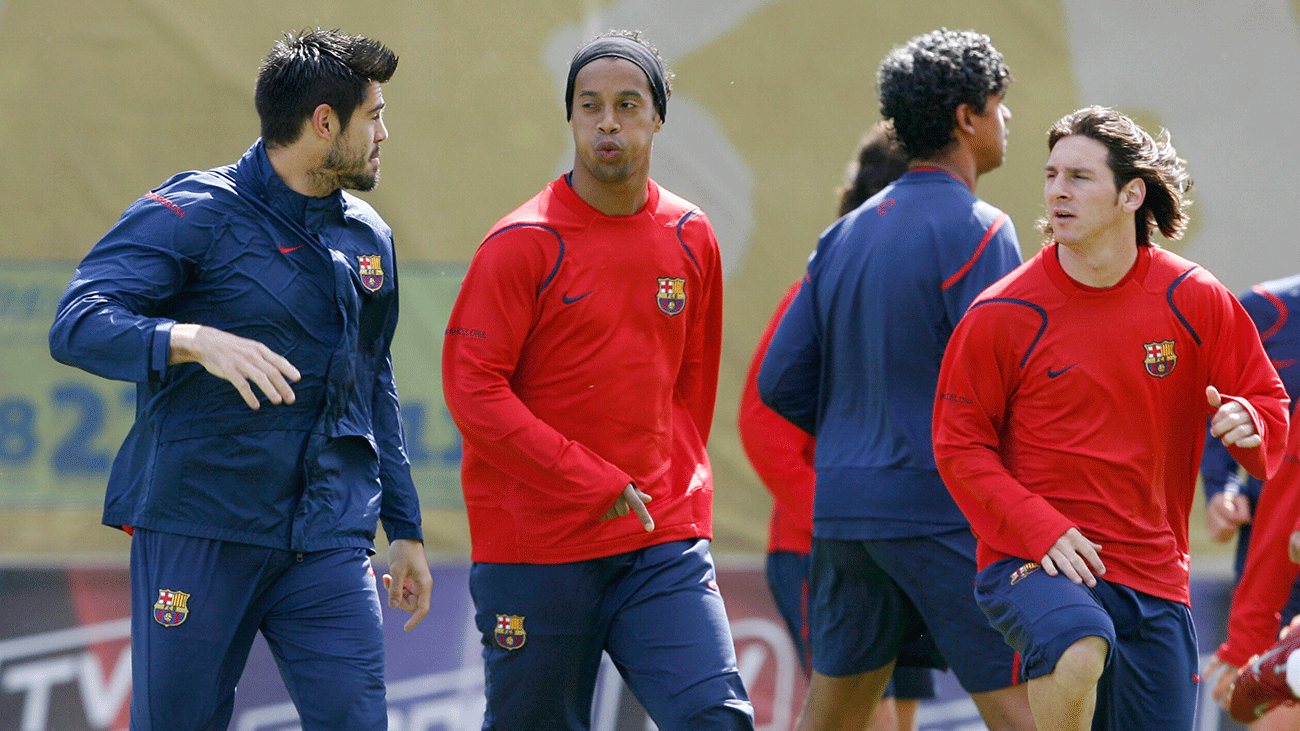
column 879, row 162
column 1133, row 153
column 316, row 67
column 922, row 82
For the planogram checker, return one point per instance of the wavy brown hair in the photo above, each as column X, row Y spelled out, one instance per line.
column 1133, row 153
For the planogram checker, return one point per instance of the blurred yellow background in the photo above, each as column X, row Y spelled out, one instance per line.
column 101, row 101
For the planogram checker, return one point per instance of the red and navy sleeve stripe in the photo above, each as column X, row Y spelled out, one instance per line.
column 984, row 242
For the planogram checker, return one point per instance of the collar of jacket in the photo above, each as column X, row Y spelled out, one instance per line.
column 255, row 171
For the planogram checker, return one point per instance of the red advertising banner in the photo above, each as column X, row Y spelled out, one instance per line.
column 65, row 660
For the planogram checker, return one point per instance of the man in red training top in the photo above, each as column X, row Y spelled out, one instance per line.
column 1069, row 424
column 1262, row 516
column 580, row 365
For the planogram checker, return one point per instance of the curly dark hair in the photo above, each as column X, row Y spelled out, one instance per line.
column 879, row 162
column 311, row 68
column 922, row 82
column 1133, row 153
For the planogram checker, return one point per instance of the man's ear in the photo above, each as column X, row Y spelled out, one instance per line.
column 324, row 122
column 964, row 119
column 1132, row 195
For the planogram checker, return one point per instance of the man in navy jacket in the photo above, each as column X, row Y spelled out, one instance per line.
column 254, row 306
column 855, row 361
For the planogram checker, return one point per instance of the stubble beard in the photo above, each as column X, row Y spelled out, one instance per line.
column 611, row 173
column 342, row 172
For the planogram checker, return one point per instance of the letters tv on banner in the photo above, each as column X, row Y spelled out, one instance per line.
column 65, row 663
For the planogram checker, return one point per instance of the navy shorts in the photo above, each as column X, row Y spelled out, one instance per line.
column 197, row 603
column 1151, row 670
column 872, row 599
column 656, row 611
column 787, row 578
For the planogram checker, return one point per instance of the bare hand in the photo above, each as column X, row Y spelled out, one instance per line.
column 235, row 359
column 1223, row 684
column 1225, row 512
column 1294, row 548
column 410, row 585
column 1073, row 555
column 1231, row 422
column 632, row 501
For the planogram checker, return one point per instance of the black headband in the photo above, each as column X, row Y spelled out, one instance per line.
column 629, row 50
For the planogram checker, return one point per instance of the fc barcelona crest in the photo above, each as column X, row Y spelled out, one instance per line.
column 171, row 608
column 372, row 274
column 1160, row 358
column 510, row 632
column 1022, row 572
column 672, row 295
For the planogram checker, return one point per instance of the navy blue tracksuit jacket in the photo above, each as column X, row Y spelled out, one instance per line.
column 311, row 278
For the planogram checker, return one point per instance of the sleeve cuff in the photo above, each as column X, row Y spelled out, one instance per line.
column 160, row 350
column 401, row 530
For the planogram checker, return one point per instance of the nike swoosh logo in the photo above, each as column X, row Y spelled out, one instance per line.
column 1053, row 374
column 284, row 250
column 570, row 300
